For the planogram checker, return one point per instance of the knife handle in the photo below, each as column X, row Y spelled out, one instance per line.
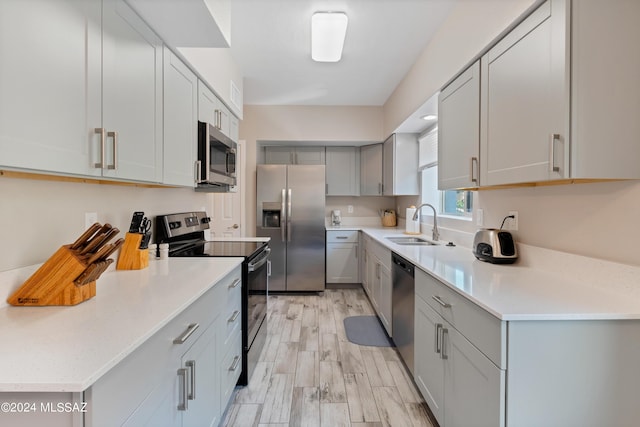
column 94, row 244
column 86, row 235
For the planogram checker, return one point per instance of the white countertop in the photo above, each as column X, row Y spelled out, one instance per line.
column 579, row 289
column 66, row 349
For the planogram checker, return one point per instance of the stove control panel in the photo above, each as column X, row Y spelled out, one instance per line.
column 178, row 224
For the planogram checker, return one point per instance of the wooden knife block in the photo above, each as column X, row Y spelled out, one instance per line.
column 131, row 256
column 53, row 283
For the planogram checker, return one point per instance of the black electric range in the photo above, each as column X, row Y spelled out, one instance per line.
column 184, row 232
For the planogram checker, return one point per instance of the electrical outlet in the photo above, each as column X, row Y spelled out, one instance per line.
column 349, row 208
column 90, row 218
column 479, row 217
column 513, row 222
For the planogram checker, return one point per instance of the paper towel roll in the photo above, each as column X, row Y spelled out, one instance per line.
column 411, row 226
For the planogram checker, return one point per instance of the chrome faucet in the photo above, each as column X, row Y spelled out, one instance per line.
column 435, row 235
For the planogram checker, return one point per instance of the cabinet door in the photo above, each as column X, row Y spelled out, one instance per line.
column 387, row 166
column 203, row 380
column 385, row 301
column 180, row 121
column 343, row 171
column 342, row 263
column 373, row 279
column 459, row 131
column 309, row 156
column 429, row 366
column 371, row 170
column 208, row 104
column 474, row 388
column 234, row 128
column 400, row 165
column 132, row 94
column 525, row 97
column 279, row 155
column 50, row 80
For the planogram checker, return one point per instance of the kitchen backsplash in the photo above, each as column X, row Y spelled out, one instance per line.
column 40, row 216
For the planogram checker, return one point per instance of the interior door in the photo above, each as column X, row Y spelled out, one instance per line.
column 227, row 209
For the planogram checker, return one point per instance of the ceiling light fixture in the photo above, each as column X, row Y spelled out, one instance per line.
column 328, row 30
column 429, row 117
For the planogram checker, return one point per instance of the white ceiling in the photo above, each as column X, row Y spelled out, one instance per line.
column 270, row 41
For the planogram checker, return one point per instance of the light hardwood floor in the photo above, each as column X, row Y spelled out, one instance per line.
column 309, row 374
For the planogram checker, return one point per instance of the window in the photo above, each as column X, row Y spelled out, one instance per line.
column 454, row 203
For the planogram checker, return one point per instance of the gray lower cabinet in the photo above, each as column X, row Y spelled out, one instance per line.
column 461, row 385
column 475, row 370
column 377, row 280
column 179, row 376
column 342, row 257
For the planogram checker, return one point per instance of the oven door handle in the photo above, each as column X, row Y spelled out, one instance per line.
column 259, row 263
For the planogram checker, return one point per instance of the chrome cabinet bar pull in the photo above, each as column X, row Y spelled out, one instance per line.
column 474, row 160
column 438, row 344
column 379, row 188
column 114, row 135
column 437, row 299
column 234, row 365
column 183, row 405
column 186, row 334
column 552, row 153
column 443, row 353
column 191, row 365
column 342, row 237
column 234, row 316
column 103, row 135
column 234, row 284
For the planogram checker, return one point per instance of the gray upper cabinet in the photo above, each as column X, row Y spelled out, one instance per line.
column 50, row 75
column 400, row 165
column 525, row 99
column 180, row 122
column 87, row 98
column 281, row 155
column 132, row 96
column 343, row 171
column 550, row 106
column 605, row 104
column 459, row 131
column 211, row 110
column 371, row 170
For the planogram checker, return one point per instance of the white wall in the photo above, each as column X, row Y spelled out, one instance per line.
column 38, row 217
column 470, row 27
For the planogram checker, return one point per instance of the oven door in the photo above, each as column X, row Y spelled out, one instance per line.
column 257, row 289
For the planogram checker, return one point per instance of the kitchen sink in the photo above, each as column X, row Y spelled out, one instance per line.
column 411, row 241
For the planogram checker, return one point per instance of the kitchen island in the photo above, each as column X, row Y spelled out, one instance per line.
column 68, row 355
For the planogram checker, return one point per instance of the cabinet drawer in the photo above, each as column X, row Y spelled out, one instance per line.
column 231, row 368
column 233, row 313
column 346, row 236
column 482, row 329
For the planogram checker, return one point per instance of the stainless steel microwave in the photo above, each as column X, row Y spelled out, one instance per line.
column 216, row 166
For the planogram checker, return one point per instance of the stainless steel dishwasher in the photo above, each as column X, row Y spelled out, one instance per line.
column 403, row 299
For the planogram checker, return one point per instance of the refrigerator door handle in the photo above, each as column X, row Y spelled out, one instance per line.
column 283, row 221
column 289, row 216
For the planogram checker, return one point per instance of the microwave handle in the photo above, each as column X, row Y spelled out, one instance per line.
column 198, row 171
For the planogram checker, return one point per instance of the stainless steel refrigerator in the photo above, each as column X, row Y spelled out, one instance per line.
column 290, row 210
